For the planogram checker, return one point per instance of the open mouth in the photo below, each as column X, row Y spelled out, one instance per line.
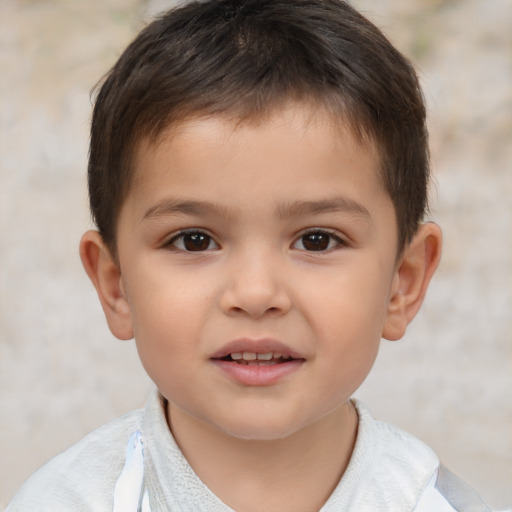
column 262, row 362
column 255, row 359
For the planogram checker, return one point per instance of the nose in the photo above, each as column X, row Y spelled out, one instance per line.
column 256, row 287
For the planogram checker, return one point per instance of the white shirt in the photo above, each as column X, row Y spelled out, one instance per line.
column 136, row 459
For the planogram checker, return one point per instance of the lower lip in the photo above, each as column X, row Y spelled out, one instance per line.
column 253, row 375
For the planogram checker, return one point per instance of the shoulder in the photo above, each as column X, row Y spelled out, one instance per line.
column 413, row 465
column 82, row 477
column 446, row 492
column 388, row 469
column 398, row 451
column 392, row 470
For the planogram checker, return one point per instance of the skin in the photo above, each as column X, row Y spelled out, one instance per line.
column 295, row 242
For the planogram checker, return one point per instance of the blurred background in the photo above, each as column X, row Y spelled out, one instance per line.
column 62, row 373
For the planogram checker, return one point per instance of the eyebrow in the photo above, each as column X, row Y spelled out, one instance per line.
column 186, row 207
column 332, row 205
column 284, row 211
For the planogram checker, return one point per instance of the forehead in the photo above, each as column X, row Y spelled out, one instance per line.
column 303, row 121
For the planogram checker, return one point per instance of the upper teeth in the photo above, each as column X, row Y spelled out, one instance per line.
column 252, row 356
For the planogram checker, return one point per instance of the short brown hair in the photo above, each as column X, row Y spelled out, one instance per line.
column 244, row 58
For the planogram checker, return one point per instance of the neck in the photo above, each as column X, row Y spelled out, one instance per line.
column 294, row 473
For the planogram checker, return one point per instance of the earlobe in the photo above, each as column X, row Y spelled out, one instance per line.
column 412, row 277
column 105, row 275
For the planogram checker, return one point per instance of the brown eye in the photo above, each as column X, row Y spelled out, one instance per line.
column 317, row 241
column 194, row 241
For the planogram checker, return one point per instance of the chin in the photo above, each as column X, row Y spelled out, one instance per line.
column 259, row 430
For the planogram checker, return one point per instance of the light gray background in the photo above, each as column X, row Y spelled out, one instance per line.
column 62, row 373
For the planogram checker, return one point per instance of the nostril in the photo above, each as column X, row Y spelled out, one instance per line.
column 255, row 300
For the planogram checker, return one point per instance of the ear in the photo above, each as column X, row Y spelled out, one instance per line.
column 105, row 275
column 412, row 277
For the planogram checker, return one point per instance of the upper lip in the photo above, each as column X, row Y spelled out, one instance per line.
column 257, row 346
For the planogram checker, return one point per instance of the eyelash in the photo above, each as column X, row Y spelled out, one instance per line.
column 204, row 241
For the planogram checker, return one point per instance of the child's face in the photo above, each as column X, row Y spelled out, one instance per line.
column 268, row 239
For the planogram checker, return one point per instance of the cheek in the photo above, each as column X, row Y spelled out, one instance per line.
column 165, row 338
column 349, row 355
column 170, row 316
column 347, row 315
column 163, row 302
column 165, row 323
column 352, row 302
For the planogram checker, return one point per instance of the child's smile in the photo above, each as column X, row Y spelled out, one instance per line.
column 257, row 362
column 258, row 262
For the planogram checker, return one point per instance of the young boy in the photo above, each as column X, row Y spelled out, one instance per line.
column 258, row 174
